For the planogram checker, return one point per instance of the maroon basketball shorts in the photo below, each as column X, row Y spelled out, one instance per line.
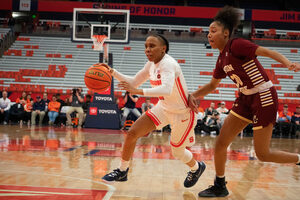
column 260, row 109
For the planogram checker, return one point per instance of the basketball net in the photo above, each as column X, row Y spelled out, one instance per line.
column 98, row 41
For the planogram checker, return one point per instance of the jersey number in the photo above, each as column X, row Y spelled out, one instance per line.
column 237, row 80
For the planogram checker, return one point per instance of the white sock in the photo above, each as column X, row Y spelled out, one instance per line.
column 298, row 159
column 124, row 165
column 220, row 176
column 195, row 167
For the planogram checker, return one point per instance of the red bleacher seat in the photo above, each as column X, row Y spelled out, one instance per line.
column 277, row 65
column 35, row 46
column 27, row 46
column 294, row 50
column 29, row 53
column 196, row 30
column 181, row 60
column 206, row 73
column 50, row 55
column 57, row 55
column 68, row 56
column 270, row 33
column 56, row 24
column 209, row 54
column 80, row 46
column 127, row 48
column 293, row 34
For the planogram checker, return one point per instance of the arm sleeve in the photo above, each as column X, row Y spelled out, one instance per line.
column 242, row 48
column 167, row 82
column 136, row 80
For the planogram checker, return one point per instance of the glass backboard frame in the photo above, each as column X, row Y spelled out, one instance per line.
column 101, row 10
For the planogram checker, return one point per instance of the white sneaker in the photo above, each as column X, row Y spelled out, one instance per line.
column 213, row 134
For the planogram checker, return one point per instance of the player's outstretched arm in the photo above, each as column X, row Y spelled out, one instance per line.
column 262, row 51
column 206, row 89
column 140, row 77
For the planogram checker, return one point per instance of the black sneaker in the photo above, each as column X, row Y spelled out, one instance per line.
column 116, row 175
column 193, row 177
column 214, row 191
column 298, row 163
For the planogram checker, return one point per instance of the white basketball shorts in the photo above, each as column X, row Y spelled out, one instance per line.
column 182, row 124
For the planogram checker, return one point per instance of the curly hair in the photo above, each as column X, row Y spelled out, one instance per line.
column 228, row 17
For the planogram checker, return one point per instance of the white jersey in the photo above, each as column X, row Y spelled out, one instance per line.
column 167, row 81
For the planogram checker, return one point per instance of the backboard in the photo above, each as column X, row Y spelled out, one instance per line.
column 113, row 23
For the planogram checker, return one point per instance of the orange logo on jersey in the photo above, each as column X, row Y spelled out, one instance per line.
column 158, row 82
column 184, row 120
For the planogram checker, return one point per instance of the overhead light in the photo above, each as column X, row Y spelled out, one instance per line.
column 16, row 14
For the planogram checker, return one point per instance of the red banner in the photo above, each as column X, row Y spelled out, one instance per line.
column 276, row 16
column 135, row 10
column 6, row 5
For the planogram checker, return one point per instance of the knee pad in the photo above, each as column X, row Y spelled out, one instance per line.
column 182, row 154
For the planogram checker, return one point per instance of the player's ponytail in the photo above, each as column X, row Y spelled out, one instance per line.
column 228, row 17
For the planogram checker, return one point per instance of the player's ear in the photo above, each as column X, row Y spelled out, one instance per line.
column 165, row 48
column 226, row 33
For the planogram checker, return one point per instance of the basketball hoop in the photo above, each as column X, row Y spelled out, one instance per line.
column 98, row 41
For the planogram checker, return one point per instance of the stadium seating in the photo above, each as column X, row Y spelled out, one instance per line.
column 56, row 64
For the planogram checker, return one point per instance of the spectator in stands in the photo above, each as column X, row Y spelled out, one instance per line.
column 284, row 120
column 38, row 109
column 222, row 109
column 200, row 117
column 16, row 113
column 53, row 108
column 213, row 124
column 147, row 105
column 129, row 107
column 4, row 108
column 257, row 102
column 22, row 99
column 62, row 103
column 296, row 122
column 209, row 111
column 86, row 105
column 28, row 109
column 46, row 100
column 76, row 100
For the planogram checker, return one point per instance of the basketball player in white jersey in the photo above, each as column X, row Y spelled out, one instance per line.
column 168, row 84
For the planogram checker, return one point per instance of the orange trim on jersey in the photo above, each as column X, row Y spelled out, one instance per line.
column 181, row 91
column 157, row 82
column 187, row 131
column 241, row 117
column 257, row 128
column 153, row 117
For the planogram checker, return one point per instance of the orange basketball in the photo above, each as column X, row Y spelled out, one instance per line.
column 97, row 78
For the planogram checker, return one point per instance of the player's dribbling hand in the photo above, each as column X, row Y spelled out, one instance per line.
column 294, row 67
column 107, row 67
column 192, row 103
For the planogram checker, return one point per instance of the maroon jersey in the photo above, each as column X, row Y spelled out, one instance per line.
column 239, row 62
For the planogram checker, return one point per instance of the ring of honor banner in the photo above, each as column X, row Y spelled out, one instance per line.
column 103, row 112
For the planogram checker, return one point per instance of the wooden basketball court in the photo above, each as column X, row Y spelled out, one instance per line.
column 68, row 163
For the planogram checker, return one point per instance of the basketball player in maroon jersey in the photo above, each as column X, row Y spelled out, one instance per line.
column 257, row 102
